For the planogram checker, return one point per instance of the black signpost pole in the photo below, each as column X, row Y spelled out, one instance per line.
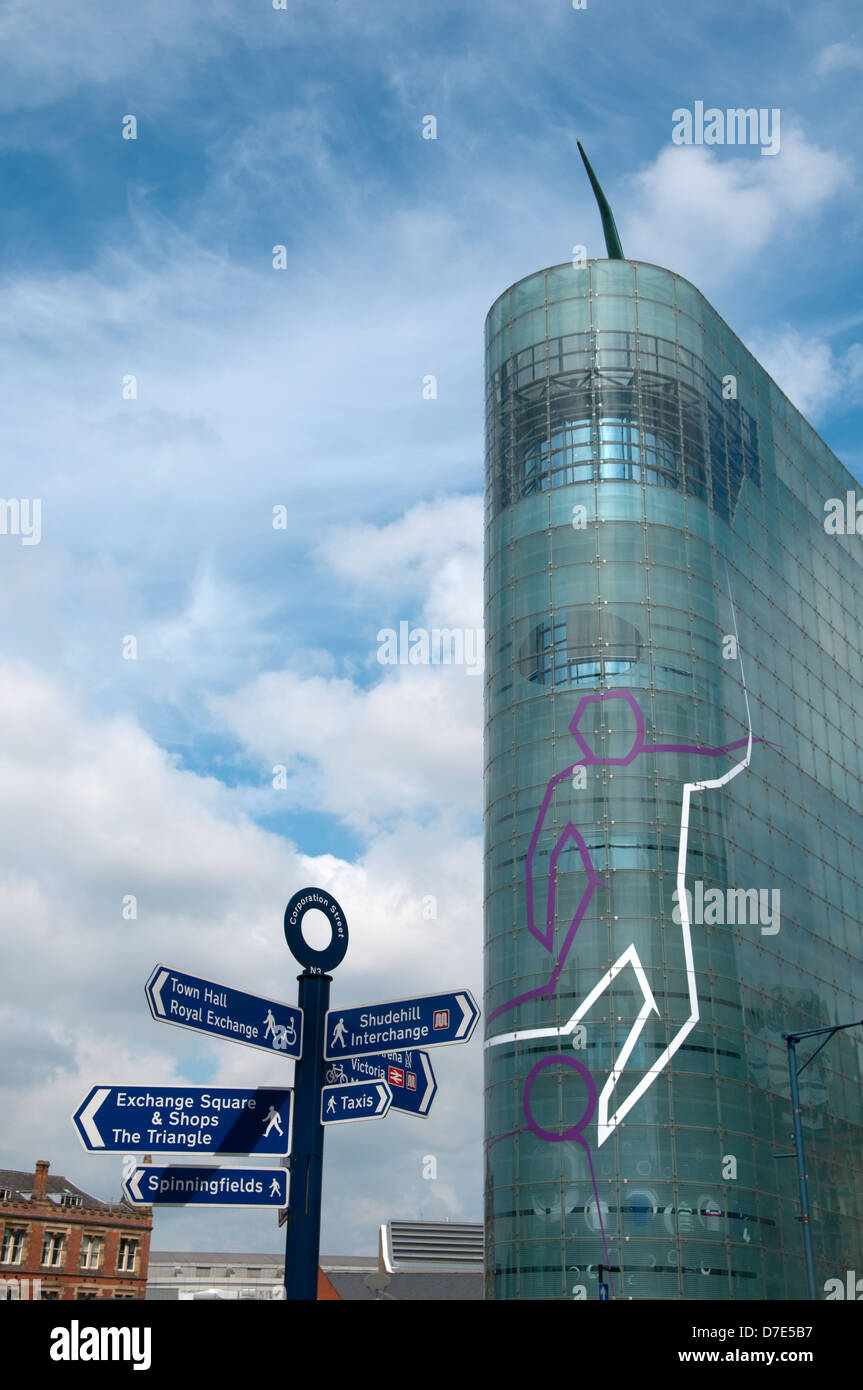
column 303, row 1239
column 302, row 1246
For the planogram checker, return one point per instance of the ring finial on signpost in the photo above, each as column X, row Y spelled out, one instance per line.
column 318, row 962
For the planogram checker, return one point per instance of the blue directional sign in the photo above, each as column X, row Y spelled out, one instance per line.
column 181, row 1185
column 362, row 1100
column 427, row 1021
column 215, row 1119
column 409, row 1076
column 190, row 1001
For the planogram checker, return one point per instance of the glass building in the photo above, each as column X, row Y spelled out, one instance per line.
column 674, row 724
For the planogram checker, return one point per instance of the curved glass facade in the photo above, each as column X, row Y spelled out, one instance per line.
column 674, row 724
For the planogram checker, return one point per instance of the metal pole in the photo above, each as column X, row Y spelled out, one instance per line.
column 303, row 1239
column 801, row 1166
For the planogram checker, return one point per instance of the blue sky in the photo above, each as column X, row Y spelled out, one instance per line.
column 302, row 388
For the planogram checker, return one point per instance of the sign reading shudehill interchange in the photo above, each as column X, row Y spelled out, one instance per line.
column 218, row 1120
column 155, row 1185
column 429, row 1020
column 190, row 1001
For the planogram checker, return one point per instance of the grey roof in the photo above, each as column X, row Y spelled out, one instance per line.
column 213, row 1257
column 426, row 1287
column 21, row 1185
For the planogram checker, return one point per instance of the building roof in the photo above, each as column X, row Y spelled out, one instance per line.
column 21, row 1187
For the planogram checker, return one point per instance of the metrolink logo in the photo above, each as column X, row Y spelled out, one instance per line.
column 735, row 126
column 76, row 1343
column 753, row 906
column 436, row 646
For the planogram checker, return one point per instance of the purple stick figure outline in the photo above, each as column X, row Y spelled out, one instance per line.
column 545, row 933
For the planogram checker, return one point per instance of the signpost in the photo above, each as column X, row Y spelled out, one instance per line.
column 184, row 1185
column 345, row 1070
column 220, row 1120
column 429, row 1020
column 190, row 1001
column 409, row 1076
column 362, row 1100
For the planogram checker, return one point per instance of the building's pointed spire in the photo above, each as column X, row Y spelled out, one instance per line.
column 612, row 240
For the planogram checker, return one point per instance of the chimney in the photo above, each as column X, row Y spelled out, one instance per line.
column 40, row 1181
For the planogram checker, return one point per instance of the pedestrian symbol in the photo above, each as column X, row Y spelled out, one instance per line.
column 331, row 1105
column 339, row 1033
column 271, row 1120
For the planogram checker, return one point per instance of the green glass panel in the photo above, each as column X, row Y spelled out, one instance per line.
column 528, row 330
column 655, row 283
column 613, row 313
column 612, row 277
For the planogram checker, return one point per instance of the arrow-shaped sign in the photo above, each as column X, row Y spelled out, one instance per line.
column 157, row 1185
column 409, row 1076
column 427, row 1021
column 190, row 1001
column 212, row 1119
column 362, row 1100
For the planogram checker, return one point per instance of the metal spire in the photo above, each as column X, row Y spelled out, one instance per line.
column 612, row 240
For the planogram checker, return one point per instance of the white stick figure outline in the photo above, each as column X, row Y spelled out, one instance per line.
column 339, row 1034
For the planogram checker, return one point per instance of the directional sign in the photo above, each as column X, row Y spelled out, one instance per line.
column 183, row 1185
column 189, row 1001
column 409, row 1076
column 220, row 1120
column 363, row 1100
column 427, row 1021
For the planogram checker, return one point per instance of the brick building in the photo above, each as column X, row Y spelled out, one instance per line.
column 75, row 1246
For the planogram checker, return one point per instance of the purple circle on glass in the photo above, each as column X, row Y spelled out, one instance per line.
column 575, row 1132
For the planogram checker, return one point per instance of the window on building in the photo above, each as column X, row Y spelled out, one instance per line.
column 124, row 1295
column 92, row 1248
column 12, row 1249
column 71, row 1199
column 87, row 1293
column 127, row 1255
column 51, row 1295
column 54, row 1248
column 5, row 1194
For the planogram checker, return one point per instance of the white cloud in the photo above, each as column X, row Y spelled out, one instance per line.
column 409, row 743
column 808, row 370
column 708, row 216
column 93, row 810
column 837, row 57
